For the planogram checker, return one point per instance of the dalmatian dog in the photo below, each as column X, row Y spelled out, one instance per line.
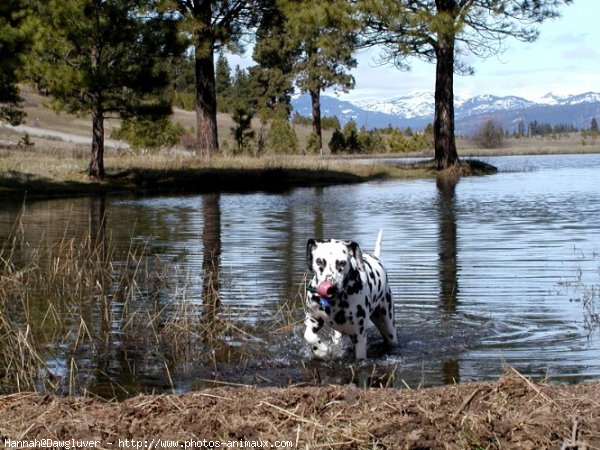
column 348, row 288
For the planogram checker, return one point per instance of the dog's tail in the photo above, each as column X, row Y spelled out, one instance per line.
column 377, row 250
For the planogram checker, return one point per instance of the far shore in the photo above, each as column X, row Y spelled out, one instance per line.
column 45, row 166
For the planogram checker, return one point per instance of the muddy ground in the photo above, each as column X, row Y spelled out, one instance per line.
column 507, row 414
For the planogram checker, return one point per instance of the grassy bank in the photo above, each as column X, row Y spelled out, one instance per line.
column 63, row 173
column 42, row 165
column 55, row 168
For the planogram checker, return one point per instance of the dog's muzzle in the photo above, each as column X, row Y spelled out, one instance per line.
column 327, row 289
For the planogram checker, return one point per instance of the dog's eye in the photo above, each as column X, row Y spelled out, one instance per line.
column 340, row 265
column 321, row 263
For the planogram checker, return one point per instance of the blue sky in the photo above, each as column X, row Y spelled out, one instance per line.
column 564, row 60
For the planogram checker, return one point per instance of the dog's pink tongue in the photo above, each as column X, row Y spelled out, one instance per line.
column 326, row 289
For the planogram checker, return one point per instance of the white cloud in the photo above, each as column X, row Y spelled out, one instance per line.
column 564, row 60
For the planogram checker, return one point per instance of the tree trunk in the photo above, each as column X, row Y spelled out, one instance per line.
column 96, row 168
column 315, row 98
column 446, row 155
column 207, row 142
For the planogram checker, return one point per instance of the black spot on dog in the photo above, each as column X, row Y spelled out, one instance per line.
column 360, row 312
column 344, row 304
column 354, row 285
column 361, row 322
column 315, row 348
column 379, row 311
column 340, row 317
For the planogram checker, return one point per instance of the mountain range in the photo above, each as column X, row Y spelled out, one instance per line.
column 415, row 110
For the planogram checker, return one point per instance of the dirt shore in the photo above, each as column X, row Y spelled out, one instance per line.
column 507, row 414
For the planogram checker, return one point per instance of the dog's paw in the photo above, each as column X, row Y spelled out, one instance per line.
column 321, row 352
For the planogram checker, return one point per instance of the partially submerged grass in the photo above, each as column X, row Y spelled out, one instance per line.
column 81, row 310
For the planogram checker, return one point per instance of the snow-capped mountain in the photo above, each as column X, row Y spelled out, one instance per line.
column 483, row 104
column 414, row 104
column 415, row 110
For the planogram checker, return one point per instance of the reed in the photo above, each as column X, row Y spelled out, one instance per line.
column 70, row 308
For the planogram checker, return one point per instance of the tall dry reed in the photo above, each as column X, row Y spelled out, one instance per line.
column 83, row 310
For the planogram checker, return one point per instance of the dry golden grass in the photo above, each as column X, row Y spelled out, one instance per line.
column 510, row 413
column 548, row 145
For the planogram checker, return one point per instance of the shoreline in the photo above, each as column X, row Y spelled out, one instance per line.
column 511, row 412
column 32, row 174
column 41, row 167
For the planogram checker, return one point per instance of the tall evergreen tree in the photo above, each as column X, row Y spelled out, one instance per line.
column 241, row 90
column 13, row 43
column 324, row 33
column 183, row 75
column 273, row 76
column 433, row 29
column 100, row 57
column 222, row 75
column 223, row 83
column 211, row 24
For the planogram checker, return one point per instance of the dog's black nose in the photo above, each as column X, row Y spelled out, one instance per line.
column 327, row 289
column 332, row 290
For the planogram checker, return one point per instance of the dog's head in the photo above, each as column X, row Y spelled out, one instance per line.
column 332, row 260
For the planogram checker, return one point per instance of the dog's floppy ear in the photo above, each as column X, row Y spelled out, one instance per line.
column 355, row 251
column 311, row 245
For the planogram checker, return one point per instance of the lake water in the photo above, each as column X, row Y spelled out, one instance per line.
column 494, row 271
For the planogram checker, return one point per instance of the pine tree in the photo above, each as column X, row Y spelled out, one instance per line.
column 242, row 131
column 282, row 138
column 241, row 90
column 275, row 54
column 337, row 144
column 324, row 34
column 212, row 25
column 102, row 57
column 432, row 30
column 13, row 44
column 223, row 83
column 351, row 137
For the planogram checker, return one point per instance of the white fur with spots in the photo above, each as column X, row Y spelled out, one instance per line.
column 362, row 294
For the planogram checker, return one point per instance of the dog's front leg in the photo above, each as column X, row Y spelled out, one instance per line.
column 318, row 347
column 360, row 346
